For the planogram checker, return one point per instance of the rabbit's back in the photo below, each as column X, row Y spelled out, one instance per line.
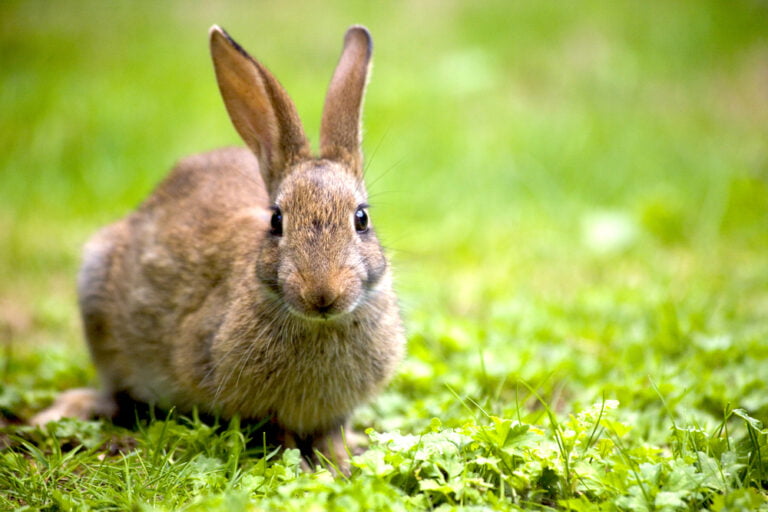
column 152, row 285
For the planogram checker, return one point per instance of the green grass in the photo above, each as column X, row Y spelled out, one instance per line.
column 575, row 197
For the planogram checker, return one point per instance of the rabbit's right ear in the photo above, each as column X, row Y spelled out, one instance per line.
column 340, row 130
column 259, row 107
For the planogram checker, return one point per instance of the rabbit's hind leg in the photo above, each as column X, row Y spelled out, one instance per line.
column 98, row 305
column 87, row 403
column 80, row 403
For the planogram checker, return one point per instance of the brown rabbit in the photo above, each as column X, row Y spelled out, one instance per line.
column 250, row 285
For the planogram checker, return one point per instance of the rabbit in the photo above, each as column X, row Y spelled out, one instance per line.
column 251, row 281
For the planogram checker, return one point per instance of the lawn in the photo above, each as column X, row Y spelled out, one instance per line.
column 575, row 200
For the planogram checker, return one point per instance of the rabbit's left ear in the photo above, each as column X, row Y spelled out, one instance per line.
column 260, row 109
column 340, row 130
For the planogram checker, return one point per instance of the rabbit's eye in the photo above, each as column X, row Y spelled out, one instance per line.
column 361, row 220
column 276, row 222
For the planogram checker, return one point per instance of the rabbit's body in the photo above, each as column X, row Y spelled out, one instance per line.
column 151, row 290
column 249, row 285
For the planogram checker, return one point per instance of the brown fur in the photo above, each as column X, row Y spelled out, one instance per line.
column 190, row 301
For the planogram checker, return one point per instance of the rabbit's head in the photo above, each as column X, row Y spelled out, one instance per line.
column 320, row 257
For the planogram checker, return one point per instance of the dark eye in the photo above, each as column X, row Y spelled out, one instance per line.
column 361, row 220
column 276, row 222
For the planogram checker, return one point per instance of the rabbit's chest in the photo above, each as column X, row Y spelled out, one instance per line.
column 332, row 367
column 310, row 382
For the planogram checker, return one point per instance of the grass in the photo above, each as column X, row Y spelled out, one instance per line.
column 575, row 197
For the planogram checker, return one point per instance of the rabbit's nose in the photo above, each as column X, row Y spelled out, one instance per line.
column 321, row 299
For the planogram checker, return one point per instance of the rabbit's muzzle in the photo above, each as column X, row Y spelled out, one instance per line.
column 324, row 296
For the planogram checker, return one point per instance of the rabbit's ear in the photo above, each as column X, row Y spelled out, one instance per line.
column 340, row 131
column 259, row 107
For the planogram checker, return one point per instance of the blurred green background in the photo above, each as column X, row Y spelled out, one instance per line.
column 577, row 188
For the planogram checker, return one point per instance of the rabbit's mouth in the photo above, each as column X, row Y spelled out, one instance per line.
column 323, row 309
column 322, row 295
column 321, row 304
column 320, row 315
